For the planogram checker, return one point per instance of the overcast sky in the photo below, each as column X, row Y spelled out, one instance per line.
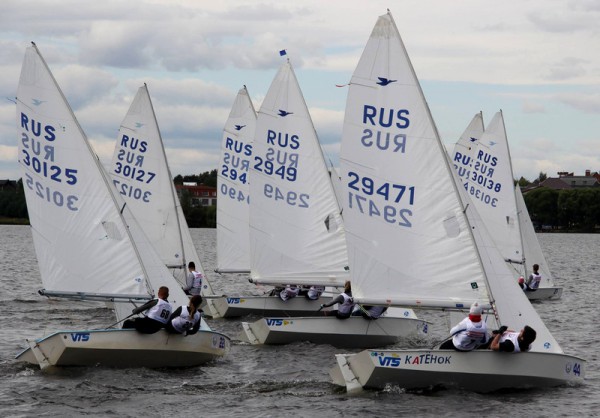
column 537, row 60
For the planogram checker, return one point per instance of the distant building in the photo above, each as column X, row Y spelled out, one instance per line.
column 200, row 195
column 566, row 180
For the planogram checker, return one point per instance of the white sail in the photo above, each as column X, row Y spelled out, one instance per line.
column 296, row 230
column 464, row 149
column 141, row 175
column 233, row 236
column 490, row 186
column 81, row 242
column 408, row 240
column 86, row 239
column 531, row 247
column 485, row 169
column 434, row 252
column 440, row 248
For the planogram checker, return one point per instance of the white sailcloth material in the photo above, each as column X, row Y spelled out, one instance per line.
column 141, row 175
column 81, row 243
column 408, row 240
column 487, row 177
column 437, row 254
column 86, row 240
column 465, row 147
column 531, row 246
column 233, row 236
column 296, row 230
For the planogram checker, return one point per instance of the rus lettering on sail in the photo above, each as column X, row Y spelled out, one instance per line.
column 384, row 118
column 38, row 155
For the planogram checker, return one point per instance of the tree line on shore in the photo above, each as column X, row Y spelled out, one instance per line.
column 569, row 210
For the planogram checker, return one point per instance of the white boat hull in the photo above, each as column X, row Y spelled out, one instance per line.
column 479, row 370
column 125, row 348
column 545, row 293
column 230, row 307
column 354, row 332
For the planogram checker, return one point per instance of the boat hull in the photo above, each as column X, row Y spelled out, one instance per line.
column 545, row 293
column 231, row 307
column 354, row 332
column 125, row 348
column 478, row 370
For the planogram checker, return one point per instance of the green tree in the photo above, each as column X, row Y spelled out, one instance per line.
column 542, row 205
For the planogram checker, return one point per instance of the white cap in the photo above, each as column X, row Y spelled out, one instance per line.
column 476, row 309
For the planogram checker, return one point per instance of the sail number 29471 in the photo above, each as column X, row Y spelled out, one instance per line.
column 391, row 194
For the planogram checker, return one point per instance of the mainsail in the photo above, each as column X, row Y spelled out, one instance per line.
column 296, row 230
column 141, row 175
column 486, row 174
column 87, row 242
column 410, row 240
column 233, row 236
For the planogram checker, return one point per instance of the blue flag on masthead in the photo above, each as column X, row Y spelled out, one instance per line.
column 282, row 53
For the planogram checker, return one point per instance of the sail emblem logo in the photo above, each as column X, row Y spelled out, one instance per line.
column 546, row 345
column 385, row 81
column 284, row 113
column 239, row 127
column 37, row 102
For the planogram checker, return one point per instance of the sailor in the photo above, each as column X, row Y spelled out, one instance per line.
column 159, row 312
column 369, row 312
column 344, row 301
column 534, row 279
column 193, row 282
column 289, row 292
column 511, row 341
column 468, row 334
column 314, row 292
column 186, row 319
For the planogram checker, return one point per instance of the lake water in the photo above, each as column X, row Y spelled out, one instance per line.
column 271, row 381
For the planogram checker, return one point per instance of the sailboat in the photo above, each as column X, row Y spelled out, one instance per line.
column 297, row 234
column 412, row 242
column 140, row 173
column 233, row 218
column 233, row 211
column 483, row 162
column 88, row 244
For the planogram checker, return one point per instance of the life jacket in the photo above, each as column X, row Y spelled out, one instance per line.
column 534, row 280
column 514, row 338
column 472, row 336
column 346, row 307
column 315, row 292
column 185, row 321
column 290, row 291
column 160, row 312
column 197, row 283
